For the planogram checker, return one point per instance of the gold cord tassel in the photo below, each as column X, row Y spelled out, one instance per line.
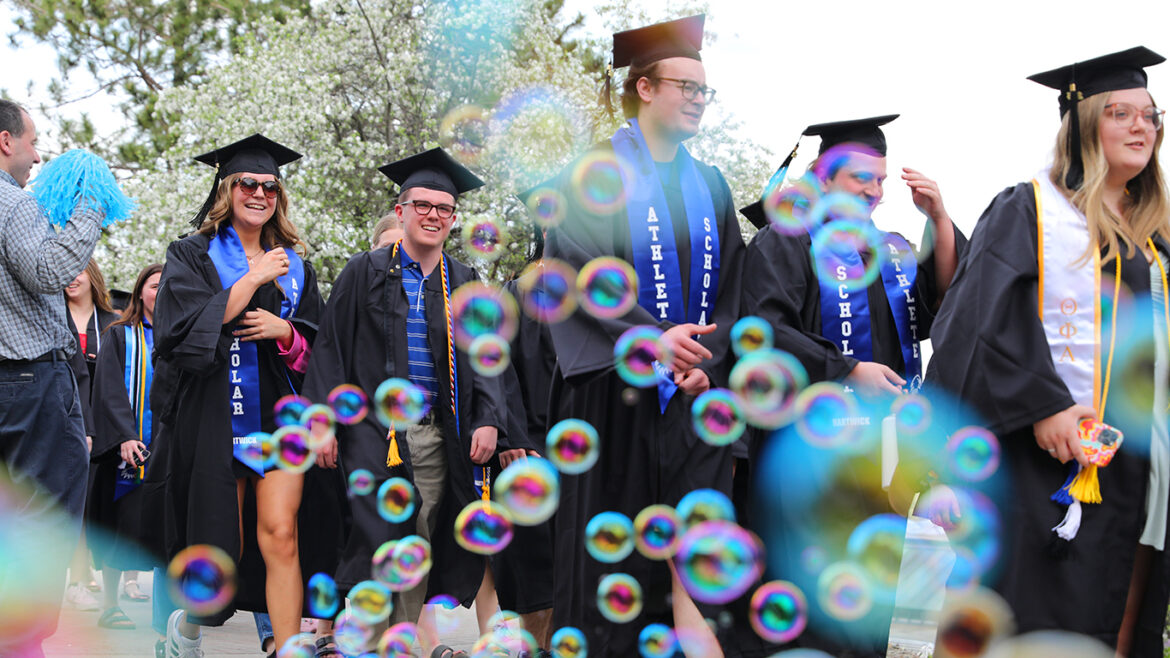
column 392, row 457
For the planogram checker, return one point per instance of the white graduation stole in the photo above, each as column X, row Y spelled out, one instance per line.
column 1069, row 292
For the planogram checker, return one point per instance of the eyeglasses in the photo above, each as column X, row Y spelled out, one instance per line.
column 423, row 208
column 691, row 89
column 248, row 185
column 1124, row 115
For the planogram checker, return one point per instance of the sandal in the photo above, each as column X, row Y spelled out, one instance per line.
column 117, row 620
column 444, row 651
column 323, row 648
column 131, row 592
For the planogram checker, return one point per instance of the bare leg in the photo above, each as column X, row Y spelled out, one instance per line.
column 485, row 602
column 1133, row 602
column 79, row 572
column 428, row 630
column 110, row 579
column 278, row 497
column 539, row 623
column 695, row 635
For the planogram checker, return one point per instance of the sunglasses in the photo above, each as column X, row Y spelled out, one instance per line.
column 248, row 185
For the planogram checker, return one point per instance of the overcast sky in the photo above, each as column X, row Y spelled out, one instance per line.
column 955, row 71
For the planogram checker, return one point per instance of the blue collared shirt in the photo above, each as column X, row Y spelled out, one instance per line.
column 420, row 360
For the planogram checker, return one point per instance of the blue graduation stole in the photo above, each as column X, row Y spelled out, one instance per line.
column 231, row 263
column 652, row 240
column 845, row 317
column 138, row 374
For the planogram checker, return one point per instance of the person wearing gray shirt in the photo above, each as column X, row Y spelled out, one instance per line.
column 43, row 453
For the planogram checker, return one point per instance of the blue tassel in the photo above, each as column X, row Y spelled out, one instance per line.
column 79, row 178
column 1062, row 495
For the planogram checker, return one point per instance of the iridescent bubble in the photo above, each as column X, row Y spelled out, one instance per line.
column 259, row 450
column 322, row 596
column 370, row 601
column 351, row 633
column 717, row 417
column 965, row 572
column 597, row 182
column 478, row 309
column 396, row 500
column 530, row 489
column 399, row 403
column 505, row 620
column 361, row 482
column 446, row 619
column 702, row 505
column 1052, row 643
column 977, row 530
column 384, row 569
column 489, row 355
column 294, row 451
column 844, row 591
column 483, row 527
column 813, row 559
column 876, row 546
column 912, row 414
column 828, row 416
column 607, row 287
column 749, row 334
column 573, row 446
column 787, row 207
column 972, row 454
column 619, row 598
column 505, row 641
column 971, row 622
column 412, row 558
column 301, row 645
column 845, row 239
column 766, row 383
column 548, row 290
column 718, row 561
column 657, row 641
column 778, row 611
column 350, row 404
column 320, row 420
column 289, row 409
column 609, row 537
column 464, row 132
column 635, row 353
column 535, row 128
column 483, row 238
column 547, row 207
column 569, row 642
column 656, row 532
column 398, row 641
column 202, row 579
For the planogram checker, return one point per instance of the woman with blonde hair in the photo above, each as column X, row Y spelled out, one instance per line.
column 237, row 310
column 1055, row 330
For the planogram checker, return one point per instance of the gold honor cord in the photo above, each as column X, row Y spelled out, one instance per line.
column 1165, row 289
column 1112, row 339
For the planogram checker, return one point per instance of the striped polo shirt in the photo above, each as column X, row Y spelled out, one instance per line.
column 420, row 361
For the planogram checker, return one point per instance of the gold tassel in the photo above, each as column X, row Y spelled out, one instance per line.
column 392, row 457
column 1085, row 486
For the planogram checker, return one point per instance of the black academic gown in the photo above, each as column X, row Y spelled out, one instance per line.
column 646, row 456
column 199, row 481
column 781, row 286
column 362, row 341
column 991, row 351
column 83, row 364
column 117, row 521
column 523, row 571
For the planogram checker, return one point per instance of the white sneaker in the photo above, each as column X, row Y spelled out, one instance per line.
column 79, row 598
column 179, row 646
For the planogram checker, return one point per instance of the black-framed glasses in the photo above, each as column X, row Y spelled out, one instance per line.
column 1124, row 114
column 423, row 208
column 691, row 89
column 249, row 186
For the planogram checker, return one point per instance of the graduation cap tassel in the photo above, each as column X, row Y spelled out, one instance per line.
column 1085, row 487
column 1076, row 170
column 1062, row 495
column 392, row 457
column 607, row 89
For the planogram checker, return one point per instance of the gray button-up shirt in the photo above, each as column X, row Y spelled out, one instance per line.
column 36, row 263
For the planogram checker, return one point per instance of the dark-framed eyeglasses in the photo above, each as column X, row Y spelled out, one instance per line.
column 691, row 89
column 248, row 185
column 1124, row 114
column 423, row 208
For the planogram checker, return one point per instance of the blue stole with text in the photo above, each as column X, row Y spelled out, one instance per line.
column 652, row 240
column 231, row 263
column 845, row 317
column 137, row 376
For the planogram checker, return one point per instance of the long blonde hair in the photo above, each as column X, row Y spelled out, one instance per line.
column 278, row 231
column 1146, row 205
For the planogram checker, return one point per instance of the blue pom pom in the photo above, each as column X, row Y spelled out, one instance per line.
column 79, row 178
column 1062, row 495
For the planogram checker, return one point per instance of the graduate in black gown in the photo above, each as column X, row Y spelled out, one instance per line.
column 864, row 336
column 123, row 420
column 1045, row 257
column 235, row 317
column 363, row 342
column 674, row 221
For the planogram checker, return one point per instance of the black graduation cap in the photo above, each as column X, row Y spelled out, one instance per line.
column 255, row 154
column 755, row 214
column 862, row 131
column 434, row 170
column 1076, row 82
column 645, row 45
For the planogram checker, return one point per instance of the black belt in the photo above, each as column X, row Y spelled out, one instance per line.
column 51, row 355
